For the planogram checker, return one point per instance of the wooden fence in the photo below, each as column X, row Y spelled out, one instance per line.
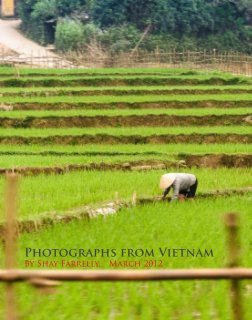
column 233, row 62
column 47, row 278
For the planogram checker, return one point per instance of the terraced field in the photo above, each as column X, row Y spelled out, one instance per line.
column 104, row 125
column 84, row 138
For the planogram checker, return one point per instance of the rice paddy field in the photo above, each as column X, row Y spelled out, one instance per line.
column 87, row 138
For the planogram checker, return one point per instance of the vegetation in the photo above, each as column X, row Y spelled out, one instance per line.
column 122, row 91
column 15, row 161
column 102, row 71
column 163, row 226
column 68, row 34
column 116, row 80
column 123, row 149
column 125, row 75
column 223, row 25
column 125, row 113
column 44, row 193
column 141, row 131
column 129, row 98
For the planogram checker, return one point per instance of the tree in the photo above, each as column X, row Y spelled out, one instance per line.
column 69, row 35
column 193, row 22
column 66, row 7
column 109, row 12
column 44, row 10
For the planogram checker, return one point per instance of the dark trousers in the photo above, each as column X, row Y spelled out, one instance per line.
column 190, row 193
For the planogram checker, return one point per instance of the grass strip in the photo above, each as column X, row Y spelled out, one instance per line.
column 128, row 99
column 140, row 90
column 60, row 164
column 124, row 112
column 15, row 161
column 121, row 80
column 141, row 131
column 113, row 71
column 125, row 149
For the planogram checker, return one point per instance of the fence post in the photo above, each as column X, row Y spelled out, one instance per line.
column 232, row 225
column 134, row 198
column 117, row 200
column 10, row 240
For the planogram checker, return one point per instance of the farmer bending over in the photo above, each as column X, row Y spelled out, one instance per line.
column 184, row 185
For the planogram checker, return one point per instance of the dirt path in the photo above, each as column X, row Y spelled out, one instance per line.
column 11, row 38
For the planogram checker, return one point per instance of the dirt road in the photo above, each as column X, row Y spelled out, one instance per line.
column 11, row 38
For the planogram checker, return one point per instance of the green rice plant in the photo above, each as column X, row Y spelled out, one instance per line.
column 163, row 225
column 41, row 193
column 34, row 71
column 16, row 161
column 124, row 149
column 124, row 131
column 128, row 99
column 125, row 112
column 124, row 90
column 172, row 225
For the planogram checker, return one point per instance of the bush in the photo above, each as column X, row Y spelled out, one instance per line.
column 230, row 41
column 118, row 39
column 69, row 35
column 91, row 32
column 44, row 10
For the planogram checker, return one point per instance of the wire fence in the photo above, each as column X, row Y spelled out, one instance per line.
column 233, row 62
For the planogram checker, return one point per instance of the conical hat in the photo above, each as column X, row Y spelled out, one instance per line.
column 167, row 180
